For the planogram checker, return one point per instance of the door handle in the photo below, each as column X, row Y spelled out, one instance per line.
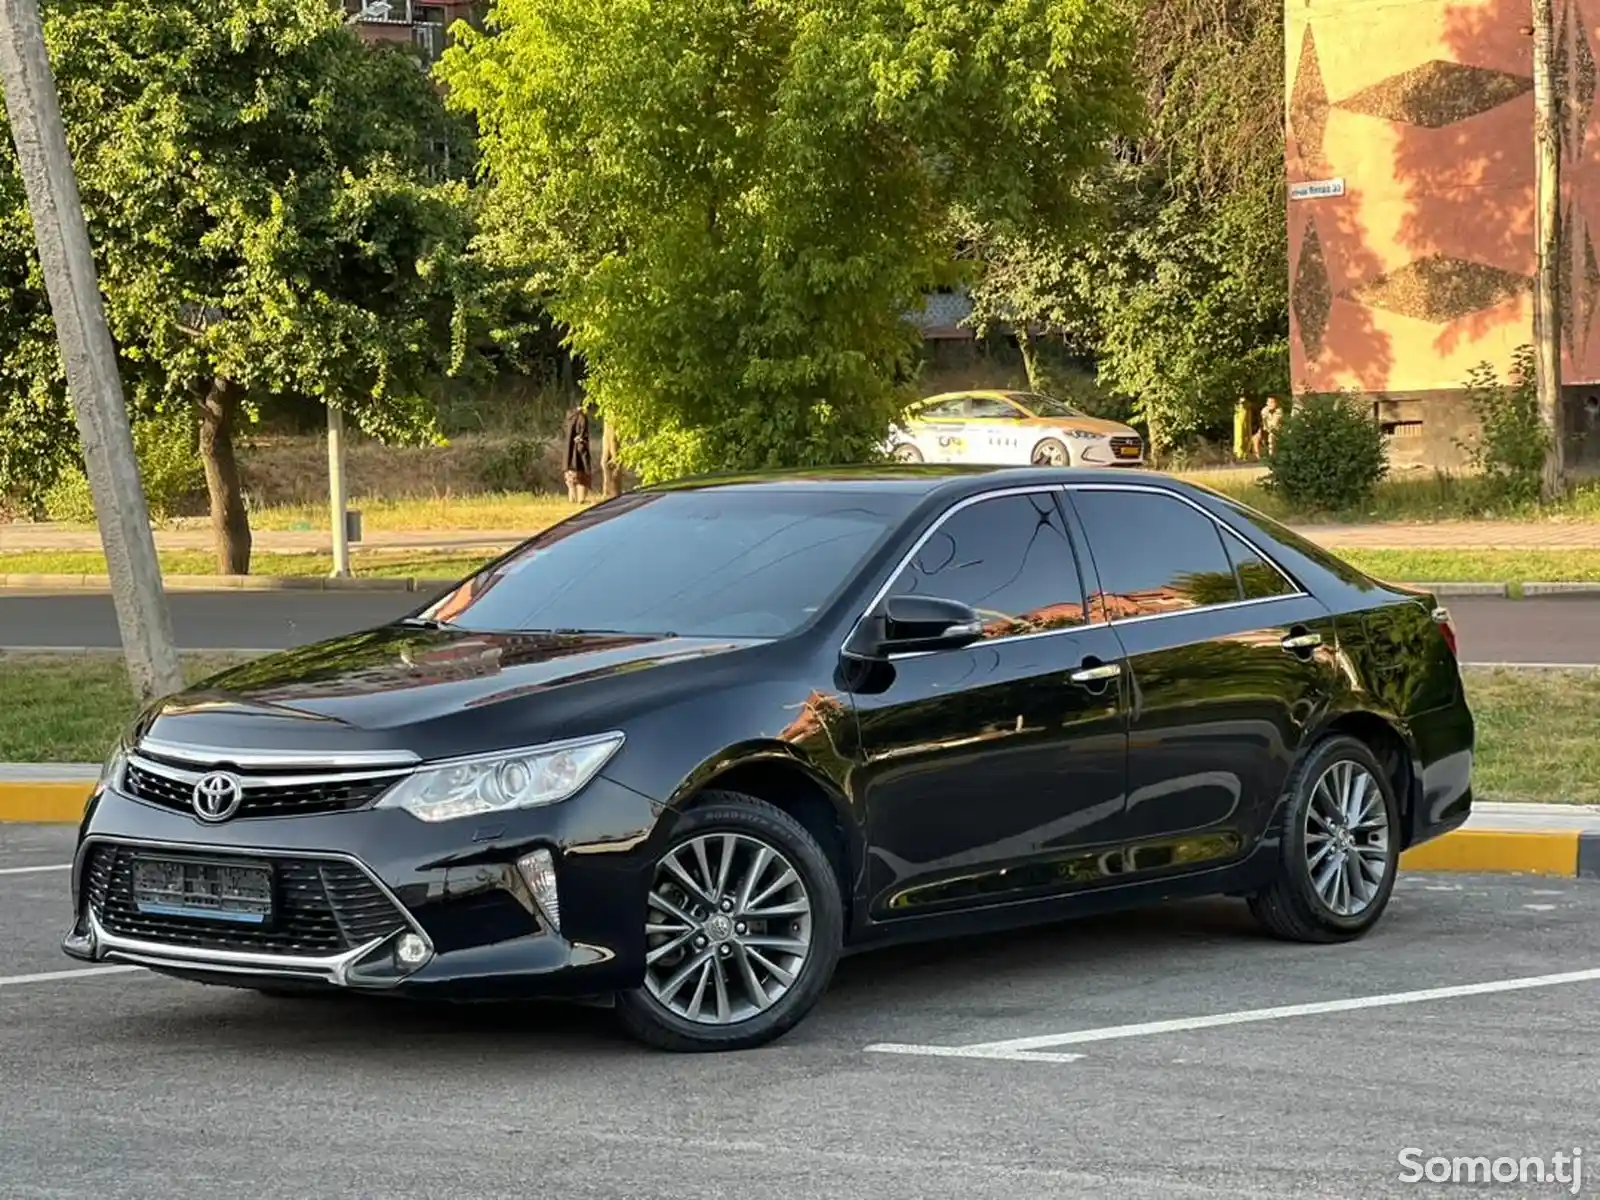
column 1302, row 641
column 1095, row 674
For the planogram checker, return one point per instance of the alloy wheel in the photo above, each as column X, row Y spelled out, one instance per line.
column 1050, row 454
column 728, row 931
column 1347, row 838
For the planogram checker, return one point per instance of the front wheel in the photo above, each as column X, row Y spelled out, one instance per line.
column 905, row 452
column 1341, row 847
column 1051, row 453
column 742, row 931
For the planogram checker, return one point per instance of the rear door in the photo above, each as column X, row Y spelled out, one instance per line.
column 1228, row 661
column 994, row 772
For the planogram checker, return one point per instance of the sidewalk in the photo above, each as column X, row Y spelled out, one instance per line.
column 1499, row 838
column 1442, row 535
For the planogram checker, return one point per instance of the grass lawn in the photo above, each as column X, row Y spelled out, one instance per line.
column 1411, row 496
column 377, row 564
column 1539, row 732
column 1415, row 566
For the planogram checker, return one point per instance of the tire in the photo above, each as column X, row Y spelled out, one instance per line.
column 1051, row 453
column 1293, row 907
column 740, row 1022
column 905, row 452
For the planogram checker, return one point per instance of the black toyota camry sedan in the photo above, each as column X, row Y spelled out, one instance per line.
column 682, row 751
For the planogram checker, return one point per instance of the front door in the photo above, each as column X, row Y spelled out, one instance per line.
column 995, row 772
column 1227, row 659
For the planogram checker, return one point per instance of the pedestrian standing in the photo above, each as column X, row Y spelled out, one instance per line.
column 580, row 465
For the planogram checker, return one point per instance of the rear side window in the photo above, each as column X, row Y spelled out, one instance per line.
column 1258, row 579
column 1155, row 554
column 1009, row 558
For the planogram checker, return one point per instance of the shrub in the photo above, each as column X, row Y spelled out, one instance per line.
column 517, row 465
column 174, row 479
column 1509, row 449
column 1329, row 455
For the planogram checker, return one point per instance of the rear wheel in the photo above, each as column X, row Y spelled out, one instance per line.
column 1340, row 846
column 743, row 928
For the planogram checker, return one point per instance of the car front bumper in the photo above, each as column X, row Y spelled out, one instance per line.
column 377, row 900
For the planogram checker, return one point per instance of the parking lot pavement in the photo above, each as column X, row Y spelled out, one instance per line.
column 128, row 1085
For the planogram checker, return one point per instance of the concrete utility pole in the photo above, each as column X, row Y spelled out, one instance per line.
column 87, row 351
column 338, row 493
column 1547, row 234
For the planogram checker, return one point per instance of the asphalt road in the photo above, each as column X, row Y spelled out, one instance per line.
column 1543, row 630
column 124, row 1084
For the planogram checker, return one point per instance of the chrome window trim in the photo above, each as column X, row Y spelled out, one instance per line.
column 1298, row 593
column 211, row 757
column 332, row 967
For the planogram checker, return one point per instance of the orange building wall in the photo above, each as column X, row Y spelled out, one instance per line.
column 1424, row 267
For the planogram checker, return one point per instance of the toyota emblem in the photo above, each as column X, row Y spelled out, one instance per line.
column 217, row 796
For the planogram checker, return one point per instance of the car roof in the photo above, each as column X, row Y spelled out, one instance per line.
column 977, row 393
column 926, row 479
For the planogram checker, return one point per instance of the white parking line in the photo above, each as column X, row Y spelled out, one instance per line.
column 35, row 870
column 56, row 976
column 1037, row 1049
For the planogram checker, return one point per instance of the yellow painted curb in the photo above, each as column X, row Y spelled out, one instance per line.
column 1545, row 852
column 44, row 803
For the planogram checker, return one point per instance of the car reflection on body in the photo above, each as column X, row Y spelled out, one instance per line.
column 683, row 750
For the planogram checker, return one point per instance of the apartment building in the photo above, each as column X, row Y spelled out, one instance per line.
column 423, row 24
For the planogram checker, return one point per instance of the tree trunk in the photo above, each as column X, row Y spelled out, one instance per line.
column 610, row 469
column 1547, row 234
column 230, row 523
column 1030, row 359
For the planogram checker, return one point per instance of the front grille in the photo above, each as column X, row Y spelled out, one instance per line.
column 173, row 788
column 321, row 906
column 1125, row 447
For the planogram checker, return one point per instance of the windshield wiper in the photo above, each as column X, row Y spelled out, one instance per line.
column 428, row 623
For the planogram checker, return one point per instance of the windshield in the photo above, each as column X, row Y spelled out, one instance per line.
column 1048, row 406
column 712, row 563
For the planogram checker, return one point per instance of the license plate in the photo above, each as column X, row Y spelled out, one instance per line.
column 208, row 891
column 1127, row 452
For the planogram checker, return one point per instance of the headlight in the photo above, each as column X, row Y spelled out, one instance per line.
column 1083, row 435
column 111, row 770
column 526, row 778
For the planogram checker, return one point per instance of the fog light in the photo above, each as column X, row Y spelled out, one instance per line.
column 538, row 871
column 411, row 951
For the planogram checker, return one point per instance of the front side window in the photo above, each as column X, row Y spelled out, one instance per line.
column 1009, row 558
column 988, row 406
column 706, row 563
column 1155, row 554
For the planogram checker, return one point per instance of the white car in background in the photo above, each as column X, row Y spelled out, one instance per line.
column 1005, row 428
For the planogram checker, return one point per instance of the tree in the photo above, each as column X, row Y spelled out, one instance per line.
column 271, row 214
column 735, row 205
column 1180, row 291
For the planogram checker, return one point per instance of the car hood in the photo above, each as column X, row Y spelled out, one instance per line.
column 425, row 690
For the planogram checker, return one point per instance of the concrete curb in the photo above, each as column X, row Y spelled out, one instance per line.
column 1508, row 840
column 1561, row 589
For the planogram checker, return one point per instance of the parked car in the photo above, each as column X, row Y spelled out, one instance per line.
column 684, row 749
column 1003, row 428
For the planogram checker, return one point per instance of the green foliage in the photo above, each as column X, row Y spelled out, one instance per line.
column 1180, row 287
column 269, row 205
column 1509, row 449
column 169, row 465
column 731, row 206
column 1330, row 455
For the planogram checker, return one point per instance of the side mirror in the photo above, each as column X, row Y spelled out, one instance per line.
column 908, row 624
